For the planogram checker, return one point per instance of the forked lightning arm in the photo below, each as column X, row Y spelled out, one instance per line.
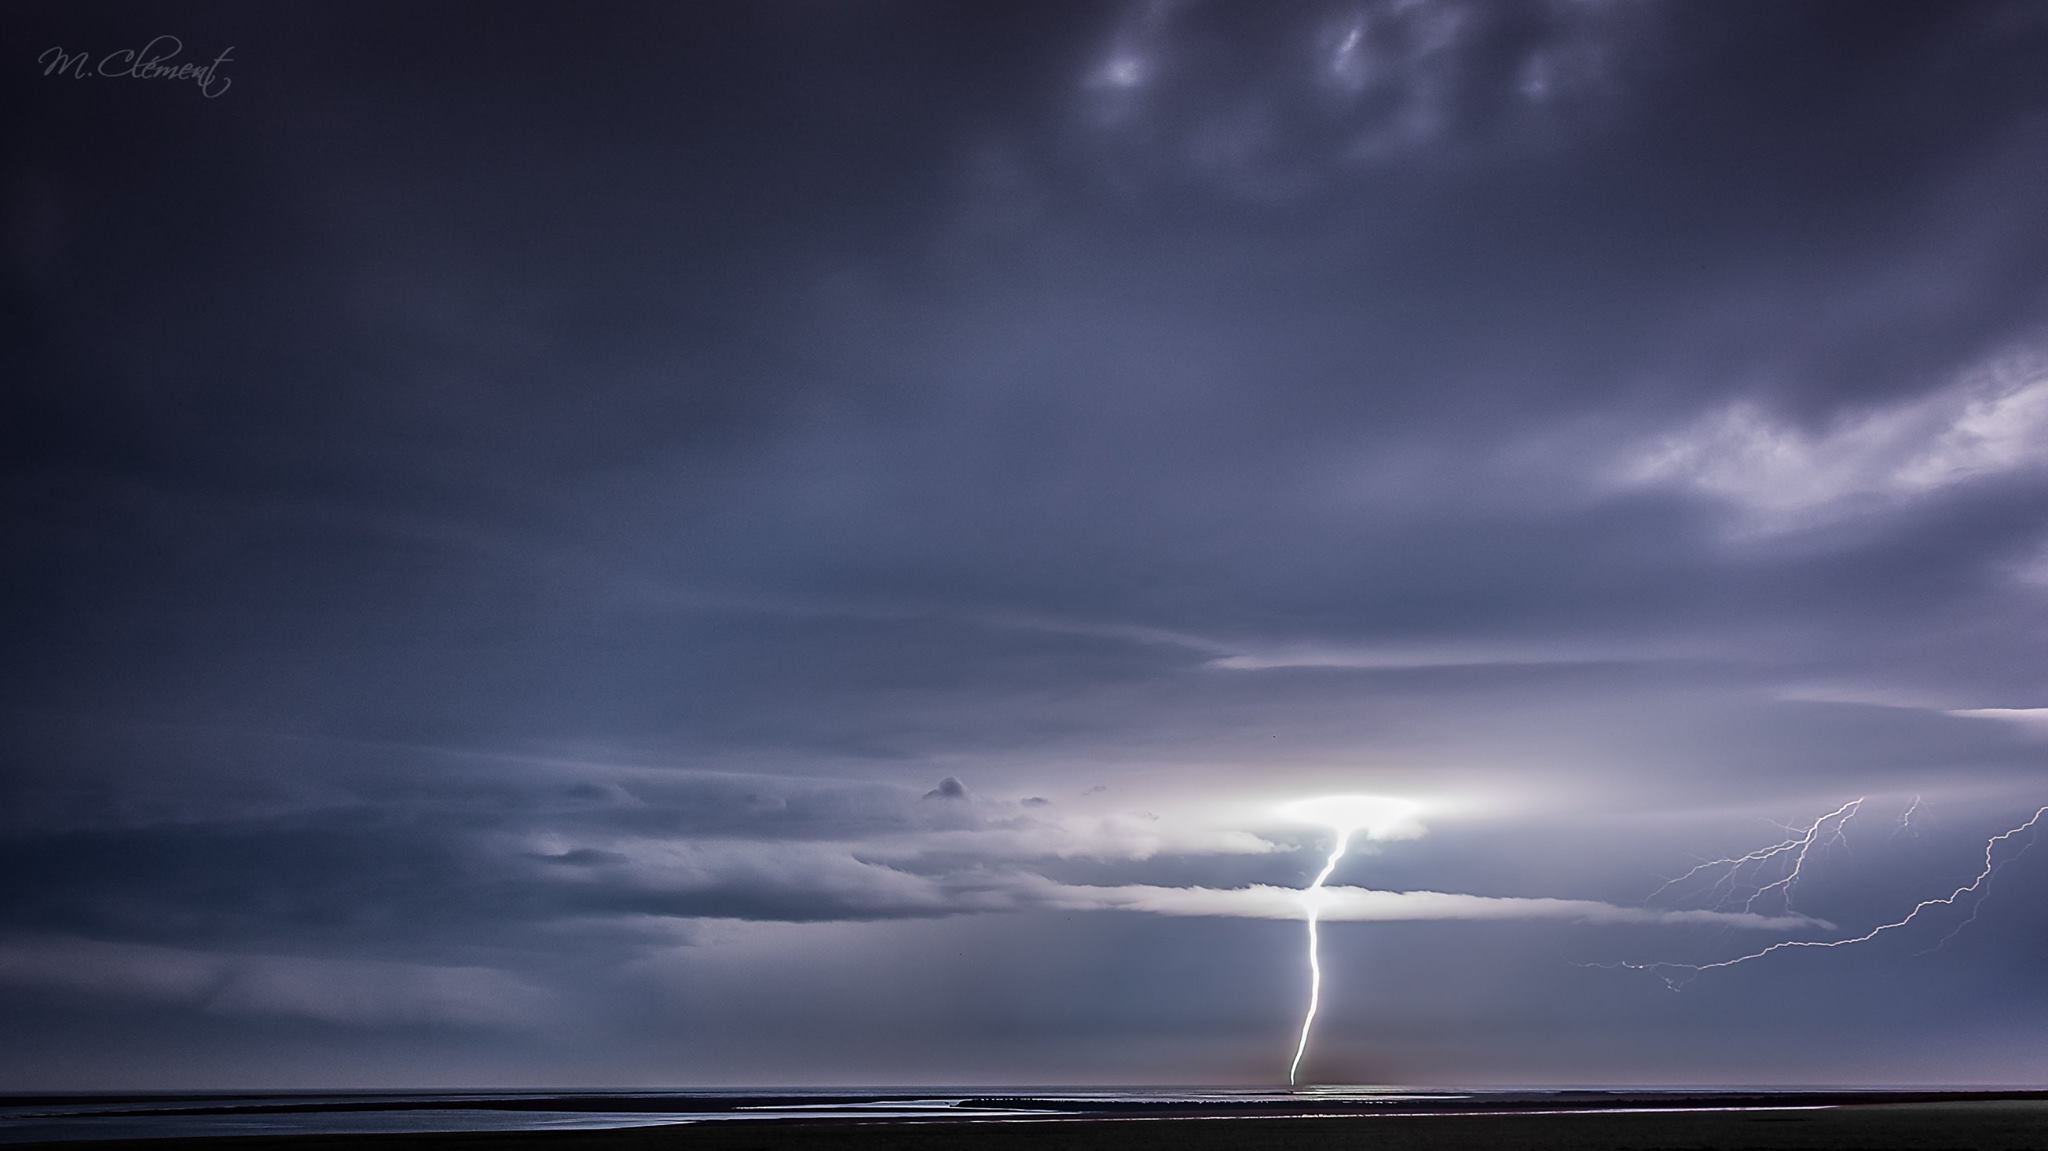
column 1974, row 887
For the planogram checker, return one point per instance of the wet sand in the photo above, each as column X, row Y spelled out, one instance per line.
column 2004, row 1124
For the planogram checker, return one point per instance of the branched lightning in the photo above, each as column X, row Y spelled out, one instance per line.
column 1976, row 886
column 1783, row 884
column 1797, row 847
column 1977, row 904
column 1906, row 819
column 1311, row 899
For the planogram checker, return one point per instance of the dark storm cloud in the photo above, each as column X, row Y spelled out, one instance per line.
column 491, row 499
column 473, row 861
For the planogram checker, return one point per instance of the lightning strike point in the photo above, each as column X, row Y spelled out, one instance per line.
column 1379, row 817
column 1311, row 900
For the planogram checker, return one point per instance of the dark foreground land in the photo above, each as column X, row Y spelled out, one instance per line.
column 2005, row 1124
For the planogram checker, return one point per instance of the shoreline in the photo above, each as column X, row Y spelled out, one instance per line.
column 1887, row 1121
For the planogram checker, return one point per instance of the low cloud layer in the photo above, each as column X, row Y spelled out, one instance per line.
column 358, row 993
column 1359, row 905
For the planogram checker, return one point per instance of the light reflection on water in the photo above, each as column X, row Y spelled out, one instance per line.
column 342, row 1113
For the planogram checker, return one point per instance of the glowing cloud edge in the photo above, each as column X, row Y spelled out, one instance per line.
column 1368, row 905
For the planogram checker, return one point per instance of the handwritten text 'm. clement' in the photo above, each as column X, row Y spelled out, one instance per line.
column 156, row 60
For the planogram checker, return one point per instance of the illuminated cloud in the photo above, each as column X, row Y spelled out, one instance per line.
column 1377, row 816
column 1444, row 655
column 1359, row 904
column 2033, row 719
column 1367, row 85
column 1993, row 421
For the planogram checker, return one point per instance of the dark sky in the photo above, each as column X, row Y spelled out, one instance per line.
column 782, row 543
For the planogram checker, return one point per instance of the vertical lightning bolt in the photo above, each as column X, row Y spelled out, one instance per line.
column 1975, row 887
column 1311, row 900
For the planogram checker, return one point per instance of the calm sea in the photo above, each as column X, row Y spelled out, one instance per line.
column 25, row 1118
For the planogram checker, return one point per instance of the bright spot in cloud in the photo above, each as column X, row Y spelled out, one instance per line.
column 2032, row 718
column 1377, row 816
column 1122, row 71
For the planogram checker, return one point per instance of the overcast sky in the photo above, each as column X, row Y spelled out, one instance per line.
column 779, row 543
